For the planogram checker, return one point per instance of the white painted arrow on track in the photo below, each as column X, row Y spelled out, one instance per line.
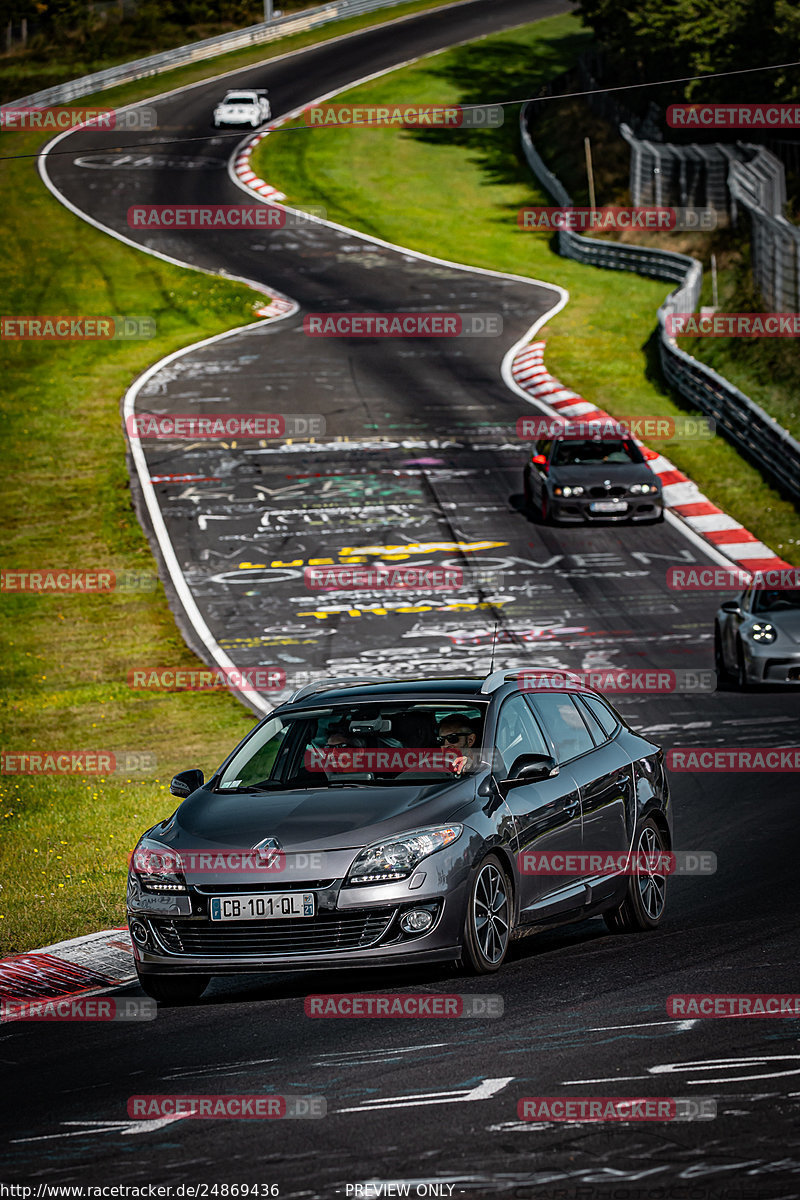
column 126, row 1128
column 489, row 1087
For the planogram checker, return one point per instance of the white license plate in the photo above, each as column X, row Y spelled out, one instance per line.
column 273, row 906
column 608, row 506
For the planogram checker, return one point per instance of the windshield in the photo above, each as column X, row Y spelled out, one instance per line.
column 379, row 743
column 775, row 601
column 569, row 452
column 239, row 98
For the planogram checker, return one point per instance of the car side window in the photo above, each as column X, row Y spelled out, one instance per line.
column 564, row 723
column 544, row 448
column 595, row 728
column 517, row 733
column 602, row 713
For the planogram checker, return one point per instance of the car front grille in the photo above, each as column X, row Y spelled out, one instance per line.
column 599, row 492
column 231, row 889
column 324, row 934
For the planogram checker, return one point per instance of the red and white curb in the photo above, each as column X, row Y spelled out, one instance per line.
column 279, row 306
column 243, row 171
column 84, row 966
column 681, row 495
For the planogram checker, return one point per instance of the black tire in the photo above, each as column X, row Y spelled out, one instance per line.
column 723, row 674
column 174, row 989
column 645, row 899
column 742, row 682
column 544, row 511
column 487, row 924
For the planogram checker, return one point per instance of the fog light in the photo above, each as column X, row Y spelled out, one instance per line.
column 138, row 932
column 416, row 920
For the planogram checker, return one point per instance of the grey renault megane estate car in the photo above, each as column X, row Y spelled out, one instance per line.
column 371, row 823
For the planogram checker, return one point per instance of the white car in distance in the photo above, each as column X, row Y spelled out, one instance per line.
column 243, row 108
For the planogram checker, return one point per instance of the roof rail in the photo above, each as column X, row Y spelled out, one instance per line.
column 322, row 685
column 497, row 678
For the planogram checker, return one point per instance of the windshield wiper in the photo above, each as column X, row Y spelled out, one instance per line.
column 266, row 786
column 363, row 783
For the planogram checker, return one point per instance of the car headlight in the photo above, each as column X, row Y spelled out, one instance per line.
column 568, row 491
column 762, row 631
column 643, row 489
column 395, row 858
column 158, row 867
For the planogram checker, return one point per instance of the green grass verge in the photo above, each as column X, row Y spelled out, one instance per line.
column 765, row 369
column 456, row 194
column 66, row 503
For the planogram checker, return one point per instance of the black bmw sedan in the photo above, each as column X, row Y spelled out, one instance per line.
column 591, row 478
column 368, row 823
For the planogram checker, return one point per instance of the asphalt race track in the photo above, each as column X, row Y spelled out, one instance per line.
column 420, row 465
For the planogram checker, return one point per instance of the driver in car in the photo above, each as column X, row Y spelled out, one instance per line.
column 458, row 734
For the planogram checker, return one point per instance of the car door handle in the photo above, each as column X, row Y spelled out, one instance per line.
column 569, row 809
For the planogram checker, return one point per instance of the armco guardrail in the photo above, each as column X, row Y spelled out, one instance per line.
column 774, row 451
column 238, row 39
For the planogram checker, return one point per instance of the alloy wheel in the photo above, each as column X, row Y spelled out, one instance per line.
column 490, row 913
column 653, row 882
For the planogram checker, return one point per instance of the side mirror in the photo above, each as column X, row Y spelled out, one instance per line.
column 539, row 460
column 187, row 782
column 529, row 768
column 733, row 607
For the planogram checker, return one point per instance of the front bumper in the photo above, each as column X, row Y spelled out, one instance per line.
column 352, row 927
column 629, row 508
column 772, row 663
column 234, row 121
